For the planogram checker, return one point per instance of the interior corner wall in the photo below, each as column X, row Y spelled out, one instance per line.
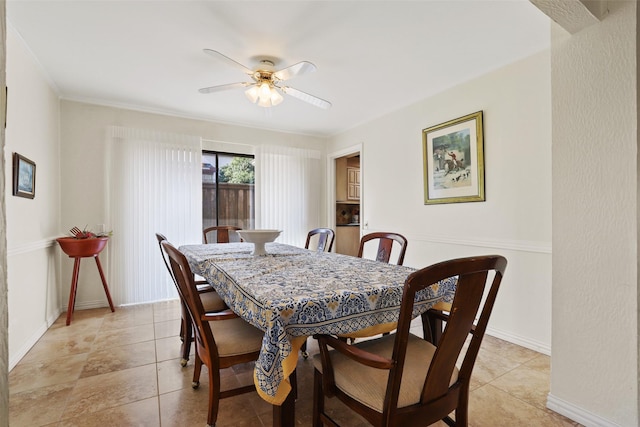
column 4, row 317
column 32, row 224
column 594, row 371
column 85, row 170
column 515, row 219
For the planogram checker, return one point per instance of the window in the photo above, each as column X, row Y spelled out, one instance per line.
column 228, row 182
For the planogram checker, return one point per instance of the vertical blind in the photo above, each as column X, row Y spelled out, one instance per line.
column 155, row 185
column 288, row 191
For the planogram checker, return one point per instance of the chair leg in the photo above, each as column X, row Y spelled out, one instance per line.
column 186, row 344
column 462, row 415
column 186, row 335
column 303, row 350
column 318, row 398
column 214, row 395
column 197, row 367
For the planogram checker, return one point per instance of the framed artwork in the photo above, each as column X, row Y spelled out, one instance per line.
column 454, row 161
column 24, row 177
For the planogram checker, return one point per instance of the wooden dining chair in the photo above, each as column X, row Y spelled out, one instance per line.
column 222, row 233
column 324, row 240
column 222, row 339
column 385, row 246
column 402, row 379
column 211, row 302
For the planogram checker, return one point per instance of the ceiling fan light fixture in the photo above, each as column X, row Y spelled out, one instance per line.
column 252, row 94
column 264, row 94
column 276, row 98
column 264, row 102
column 265, row 90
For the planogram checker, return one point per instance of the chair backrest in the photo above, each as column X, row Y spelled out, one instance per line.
column 385, row 246
column 473, row 279
column 325, row 239
column 188, row 292
column 222, row 233
column 161, row 238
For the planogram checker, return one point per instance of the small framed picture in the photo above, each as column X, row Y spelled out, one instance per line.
column 24, row 177
column 454, row 161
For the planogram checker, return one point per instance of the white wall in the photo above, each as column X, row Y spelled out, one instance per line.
column 515, row 219
column 594, row 372
column 33, row 131
column 84, row 170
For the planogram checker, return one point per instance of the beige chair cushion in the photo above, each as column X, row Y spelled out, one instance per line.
column 369, row 385
column 235, row 336
column 211, row 301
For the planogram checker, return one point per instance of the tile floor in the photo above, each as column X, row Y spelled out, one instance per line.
column 122, row 368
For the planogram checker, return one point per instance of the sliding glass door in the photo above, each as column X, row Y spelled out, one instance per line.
column 228, row 182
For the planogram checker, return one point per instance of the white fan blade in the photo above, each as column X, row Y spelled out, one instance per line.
column 228, row 60
column 298, row 69
column 303, row 96
column 224, row 87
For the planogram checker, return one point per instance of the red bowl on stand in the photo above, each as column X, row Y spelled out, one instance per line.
column 89, row 247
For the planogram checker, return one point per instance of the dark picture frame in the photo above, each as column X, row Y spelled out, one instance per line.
column 454, row 161
column 24, row 176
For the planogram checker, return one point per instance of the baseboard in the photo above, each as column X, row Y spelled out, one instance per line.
column 577, row 413
column 521, row 341
column 85, row 305
column 17, row 357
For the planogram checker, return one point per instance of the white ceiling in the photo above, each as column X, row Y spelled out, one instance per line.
column 373, row 57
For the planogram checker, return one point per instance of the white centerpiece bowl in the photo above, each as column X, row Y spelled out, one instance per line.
column 259, row 238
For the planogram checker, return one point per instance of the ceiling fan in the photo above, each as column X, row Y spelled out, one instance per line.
column 267, row 82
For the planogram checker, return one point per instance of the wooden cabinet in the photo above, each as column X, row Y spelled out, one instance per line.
column 341, row 179
column 347, row 181
column 347, row 240
column 353, row 184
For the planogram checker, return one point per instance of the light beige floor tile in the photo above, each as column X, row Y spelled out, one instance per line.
column 109, row 338
column 489, row 366
column 172, row 376
column 100, row 392
column 170, row 348
column 143, row 413
column 50, row 403
column 492, row 407
column 166, row 329
column 54, row 344
column 169, row 310
column 530, row 385
column 29, row 376
column 184, row 407
column 129, row 316
column 91, row 316
column 542, row 362
column 190, row 407
column 119, row 358
column 511, row 351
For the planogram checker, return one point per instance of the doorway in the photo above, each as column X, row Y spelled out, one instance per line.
column 345, row 198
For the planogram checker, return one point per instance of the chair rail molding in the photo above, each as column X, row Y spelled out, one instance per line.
column 514, row 245
column 31, row 246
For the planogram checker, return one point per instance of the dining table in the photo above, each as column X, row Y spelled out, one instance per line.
column 292, row 293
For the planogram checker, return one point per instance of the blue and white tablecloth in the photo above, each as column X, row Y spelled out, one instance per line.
column 293, row 292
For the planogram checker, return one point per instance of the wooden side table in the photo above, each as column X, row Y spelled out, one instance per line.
column 78, row 249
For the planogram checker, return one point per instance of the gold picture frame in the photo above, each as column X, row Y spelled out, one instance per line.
column 453, row 157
